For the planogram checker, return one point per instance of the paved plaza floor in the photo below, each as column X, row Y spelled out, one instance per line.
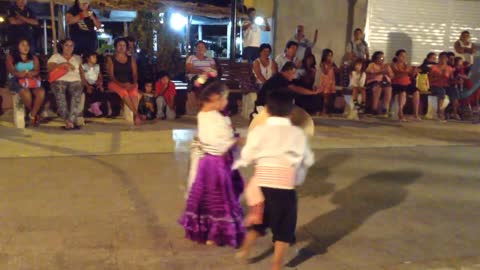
column 382, row 195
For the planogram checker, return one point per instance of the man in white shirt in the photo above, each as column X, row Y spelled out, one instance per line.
column 289, row 55
column 280, row 153
column 304, row 43
column 251, row 36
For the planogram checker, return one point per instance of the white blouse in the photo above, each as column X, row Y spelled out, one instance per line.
column 357, row 80
column 72, row 75
column 91, row 73
column 215, row 131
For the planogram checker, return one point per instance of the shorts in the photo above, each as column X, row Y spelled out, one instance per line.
column 280, row 214
column 122, row 92
column 409, row 89
column 373, row 84
column 441, row 92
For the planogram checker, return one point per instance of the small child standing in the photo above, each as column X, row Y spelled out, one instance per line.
column 213, row 213
column 357, row 84
column 95, row 97
column 146, row 107
column 281, row 156
column 165, row 93
column 327, row 80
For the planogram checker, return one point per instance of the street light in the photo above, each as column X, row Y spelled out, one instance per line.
column 178, row 21
column 2, row 19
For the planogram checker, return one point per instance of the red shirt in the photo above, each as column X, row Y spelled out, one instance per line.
column 440, row 78
column 169, row 93
column 400, row 77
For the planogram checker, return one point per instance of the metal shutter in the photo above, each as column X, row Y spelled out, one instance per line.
column 419, row 26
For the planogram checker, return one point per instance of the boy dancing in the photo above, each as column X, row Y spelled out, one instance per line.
column 281, row 155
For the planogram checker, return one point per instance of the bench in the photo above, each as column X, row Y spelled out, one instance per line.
column 238, row 76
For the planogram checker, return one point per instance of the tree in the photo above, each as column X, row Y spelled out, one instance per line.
column 149, row 28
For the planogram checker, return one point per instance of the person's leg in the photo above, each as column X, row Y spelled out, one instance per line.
column 377, row 92
column 76, row 90
column 326, row 103
column 363, row 94
column 453, row 96
column 26, row 97
column 416, row 104
column 161, row 104
column 39, row 94
column 171, row 114
column 387, row 98
column 59, row 89
column 402, row 99
column 247, row 244
column 280, row 248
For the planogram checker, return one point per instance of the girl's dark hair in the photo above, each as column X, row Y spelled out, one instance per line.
column 16, row 53
column 430, row 55
column 212, row 87
column 397, row 54
column 443, row 54
column 120, row 39
column 88, row 54
column 376, row 55
column 358, row 61
column 304, row 62
column 61, row 43
column 265, row 46
column 325, row 54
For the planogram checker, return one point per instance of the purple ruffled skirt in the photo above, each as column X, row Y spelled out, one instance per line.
column 213, row 209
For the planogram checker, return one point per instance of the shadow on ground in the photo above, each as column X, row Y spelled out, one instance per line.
column 356, row 204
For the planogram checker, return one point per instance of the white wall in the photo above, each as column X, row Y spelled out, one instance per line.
column 330, row 17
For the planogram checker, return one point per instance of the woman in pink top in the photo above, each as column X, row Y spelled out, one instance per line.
column 402, row 84
column 379, row 81
column 327, row 79
column 441, row 84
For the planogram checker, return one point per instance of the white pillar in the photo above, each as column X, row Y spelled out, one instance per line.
column 125, row 29
column 229, row 40
column 45, row 37
column 200, row 32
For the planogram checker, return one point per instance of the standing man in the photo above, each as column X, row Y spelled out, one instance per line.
column 304, row 43
column 358, row 47
column 251, row 36
column 465, row 48
column 21, row 21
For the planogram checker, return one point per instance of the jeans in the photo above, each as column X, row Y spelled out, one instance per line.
column 163, row 106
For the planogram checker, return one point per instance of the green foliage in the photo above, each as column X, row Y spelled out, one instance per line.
column 168, row 55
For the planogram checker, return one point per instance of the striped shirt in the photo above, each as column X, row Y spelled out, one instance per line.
column 205, row 65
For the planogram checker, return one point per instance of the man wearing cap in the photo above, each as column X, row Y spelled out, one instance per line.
column 83, row 21
column 20, row 24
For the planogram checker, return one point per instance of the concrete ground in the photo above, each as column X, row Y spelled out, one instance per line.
column 382, row 195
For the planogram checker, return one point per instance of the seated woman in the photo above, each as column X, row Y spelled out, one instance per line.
column 307, row 75
column 23, row 68
column 264, row 67
column 195, row 65
column 402, row 84
column 379, row 77
column 441, row 84
column 70, row 68
column 123, row 73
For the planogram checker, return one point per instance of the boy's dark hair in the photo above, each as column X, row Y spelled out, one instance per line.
column 290, row 44
column 458, row 59
column 443, row 54
column 376, row 55
column 280, row 103
column 288, row 66
column 212, row 87
column 465, row 32
column 250, row 10
column 162, row 73
column 357, row 30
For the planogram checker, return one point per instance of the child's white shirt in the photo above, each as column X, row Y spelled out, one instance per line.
column 357, row 79
column 215, row 132
column 91, row 73
column 277, row 144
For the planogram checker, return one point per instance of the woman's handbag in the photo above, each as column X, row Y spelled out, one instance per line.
column 57, row 73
